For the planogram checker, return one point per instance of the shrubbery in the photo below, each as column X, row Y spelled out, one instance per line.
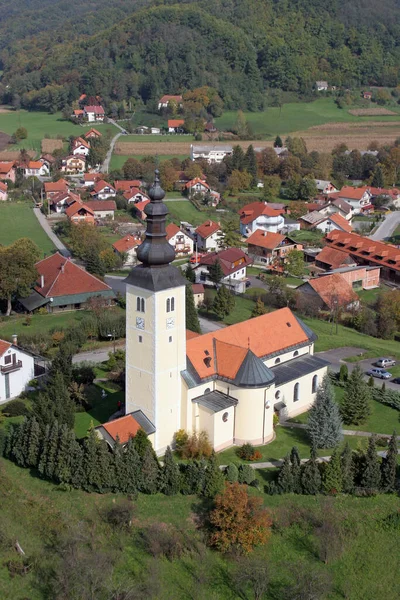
column 248, row 452
column 15, row 408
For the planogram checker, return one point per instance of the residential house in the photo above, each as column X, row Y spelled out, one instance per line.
column 103, row 190
column 367, row 95
column 208, row 236
column 92, row 134
column 233, row 262
column 155, row 130
column 325, row 187
column 212, row 153
column 328, row 205
column 358, row 198
column 7, row 170
column 210, row 128
column 35, row 168
column 197, row 186
column 127, row 247
column 134, row 195
column 94, row 113
column 316, row 220
column 321, row 86
column 51, row 188
column 179, row 240
column 89, row 179
column 125, row 185
column 78, row 114
column 359, row 277
column 198, row 294
column 259, row 215
column 176, row 125
column 167, row 98
column 368, row 252
column 102, row 209
column 59, row 202
column 80, row 147
column 48, row 160
column 124, row 428
column 77, row 212
column 268, row 248
column 331, row 292
column 17, row 368
column 3, row 191
column 75, row 164
column 63, row 285
column 139, row 208
column 330, row 259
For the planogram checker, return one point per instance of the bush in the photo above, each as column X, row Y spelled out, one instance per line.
column 83, row 373
column 120, row 515
column 343, row 373
column 15, row 408
column 246, row 474
column 245, row 452
column 197, row 445
column 161, row 539
column 382, row 442
column 231, row 473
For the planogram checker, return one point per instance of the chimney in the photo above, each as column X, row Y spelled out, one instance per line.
column 14, row 339
column 265, row 234
column 62, row 268
column 42, row 281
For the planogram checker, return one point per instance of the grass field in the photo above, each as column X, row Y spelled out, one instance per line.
column 185, row 211
column 18, row 220
column 39, row 323
column 118, row 160
column 241, row 312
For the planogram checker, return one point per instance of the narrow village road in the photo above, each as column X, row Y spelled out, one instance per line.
column 106, row 164
column 48, row 230
column 387, row 227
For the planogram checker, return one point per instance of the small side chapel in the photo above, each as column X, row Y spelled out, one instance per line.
column 228, row 383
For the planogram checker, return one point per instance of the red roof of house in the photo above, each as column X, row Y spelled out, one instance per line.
column 191, row 334
column 167, row 97
column 175, row 122
column 34, row 164
column 126, row 243
column 332, row 257
column 341, row 222
column 80, row 142
column 3, row 186
column 126, row 185
column 171, row 230
column 353, row 193
column 92, row 130
column 100, row 185
column 196, row 180
column 333, row 288
column 133, row 192
column 75, row 207
column 92, row 177
column 70, row 197
column 4, row 346
column 140, row 206
column 125, row 428
column 5, row 167
column 231, row 259
column 265, row 239
column 374, row 252
column 208, row 228
column 78, row 112
column 198, row 288
column 56, row 186
column 62, row 277
column 101, row 204
column 250, row 212
column 97, row 110
column 227, row 347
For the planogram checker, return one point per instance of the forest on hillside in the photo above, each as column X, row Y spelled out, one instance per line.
column 51, row 51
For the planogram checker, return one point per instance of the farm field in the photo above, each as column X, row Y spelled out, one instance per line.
column 18, row 220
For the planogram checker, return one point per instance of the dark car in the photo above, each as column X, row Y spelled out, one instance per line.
column 248, row 283
column 396, row 380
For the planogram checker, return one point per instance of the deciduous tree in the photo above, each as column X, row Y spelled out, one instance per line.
column 17, row 270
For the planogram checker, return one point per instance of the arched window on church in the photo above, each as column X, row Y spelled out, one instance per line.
column 168, row 305
column 142, row 305
column 314, row 384
column 296, row 392
column 138, row 304
column 172, row 304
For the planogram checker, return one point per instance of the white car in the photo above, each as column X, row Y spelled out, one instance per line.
column 385, row 362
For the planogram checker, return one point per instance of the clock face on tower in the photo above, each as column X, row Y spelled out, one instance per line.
column 139, row 323
column 170, row 323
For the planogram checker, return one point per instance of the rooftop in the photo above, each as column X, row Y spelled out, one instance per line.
column 371, row 250
column 332, row 289
column 126, row 243
column 231, row 260
column 250, row 212
column 101, row 205
column 265, row 239
column 208, row 228
column 332, row 257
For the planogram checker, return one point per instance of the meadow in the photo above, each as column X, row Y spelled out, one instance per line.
column 18, row 220
column 118, row 160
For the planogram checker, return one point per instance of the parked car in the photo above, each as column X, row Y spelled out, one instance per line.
column 385, row 362
column 380, row 373
column 396, row 380
column 248, row 283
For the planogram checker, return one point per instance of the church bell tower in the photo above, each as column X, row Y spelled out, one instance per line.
column 156, row 327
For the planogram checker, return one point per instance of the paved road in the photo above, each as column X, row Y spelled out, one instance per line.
column 48, row 230
column 387, row 227
column 96, row 356
column 336, row 358
column 106, row 164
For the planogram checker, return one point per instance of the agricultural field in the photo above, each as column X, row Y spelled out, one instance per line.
column 18, row 220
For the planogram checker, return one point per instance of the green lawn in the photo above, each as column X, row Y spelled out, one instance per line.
column 371, row 296
column 38, row 124
column 241, row 312
column 156, row 138
column 185, row 211
column 118, row 160
column 18, row 220
column 308, row 237
column 102, row 408
column 39, row 323
column 296, row 116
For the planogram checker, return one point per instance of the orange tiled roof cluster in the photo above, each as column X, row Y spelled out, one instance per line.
column 333, row 257
column 250, row 212
column 126, row 243
column 378, row 253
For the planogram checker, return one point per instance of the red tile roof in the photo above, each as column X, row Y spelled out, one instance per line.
column 231, row 260
column 374, row 252
column 56, row 186
column 208, row 228
column 198, row 288
column 333, row 288
column 4, row 346
column 100, row 185
column 80, row 142
column 126, row 243
column 34, row 164
column 191, row 334
column 92, row 177
column 68, row 196
column 172, row 230
column 250, row 212
column 175, row 122
column 196, row 180
column 78, row 112
column 125, row 428
column 97, row 110
column 265, row 239
column 75, row 207
column 353, row 193
column 140, row 206
column 332, row 257
column 270, row 333
column 341, row 222
column 92, row 130
column 127, row 185
column 62, row 277
column 101, row 204
column 5, row 167
column 167, row 97
column 133, row 192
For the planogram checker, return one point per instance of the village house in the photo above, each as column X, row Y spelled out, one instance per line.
column 17, row 368
column 233, row 262
column 92, row 134
column 368, row 252
column 329, row 259
column 51, row 188
column 259, row 215
column 359, row 277
column 139, row 208
column 3, row 191
column 316, row 220
column 176, row 125
column 331, row 292
column 63, row 285
column 80, row 213
column 78, row 114
column 35, row 168
column 328, row 205
column 103, row 190
column 197, row 186
column 89, row 179
column 125, row 185
column 74, row 164
column 321, row 86
column 94, row 113
column 208, row 236
column 7, row 170
column 266, row 248
column 210, row 153
column 179, row 240
column 358, row 198
column 198, row 294
column 60, row 201
column 367, row 95
column 102, row 209
column 325, row 187
column 135, row 195
column 126, row 248
column 210, row 128
column 167, row 98
column 48, row 160
column 80, row 147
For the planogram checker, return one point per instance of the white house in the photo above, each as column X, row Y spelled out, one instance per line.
column 176, row 125
column 3, row 191
column 36, row 168
column 210, row 152
column 208, row 236
column 325, row 223
column 60, row 201
column 17, row 369
column 134, row 195
column 167, row 98
column 127, row 247
column 102, row 209
column 75, row 164
column 321, row 86
column 80, row 147
column 94, row 113
column 358, row 198
column 179, row 240
column 260, row 215
column 197, row 186
column 233, row 262
column 103, row 190
column 325, row 187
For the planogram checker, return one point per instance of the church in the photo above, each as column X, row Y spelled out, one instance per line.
column 228, row 383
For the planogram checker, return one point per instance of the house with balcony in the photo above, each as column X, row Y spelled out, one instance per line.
column 17, row 368
column 80, row 147
column 212, row 153
column 358, row 198
column 62, row 200
column 51, row 188
column 208, row 236
column 75, row 164
column 103, row 190
column 234, row 263
column 266, row 248
column 179, row 240
column 77, row 212
column 259, row 215
column 325, row 223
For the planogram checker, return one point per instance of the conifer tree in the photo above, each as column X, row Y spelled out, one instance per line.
column 105, row 468
column 132, row 468
column 34, row 438
column 232, row 473
column 78, row 471
column 91, row 475
column 285, row 477
column 333, row 479
column 18, row 450
column 347, row 465
column 356, row 401
column 259, row 308
column 324, row 422
column 55, row 403
column 45, row 447
column 278, row 142
column 251, row 165
column 170, row 474
column 224, row 302
column 189, row 273
column 214, row 478
column 215, row 272
column 62, row 363
column 371, row 473
column 141, row 443
column 150, row 472
column 311, row 477
column 192, row 319
column 65, row 455
column 47, row 463
column 389, row 466
column 121, row 475
column 296, row 469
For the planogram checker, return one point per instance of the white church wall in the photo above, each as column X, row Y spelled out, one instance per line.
column 285, row 356
column 306, row 395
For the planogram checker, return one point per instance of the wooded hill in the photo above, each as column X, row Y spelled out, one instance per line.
column 50, row 51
